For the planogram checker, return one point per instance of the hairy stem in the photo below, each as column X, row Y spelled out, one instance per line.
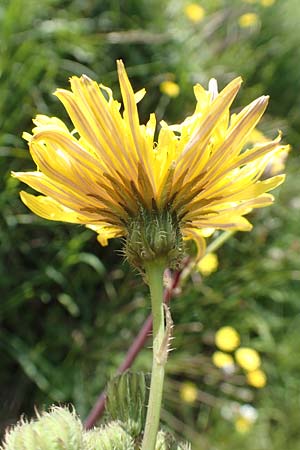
column 138, row 343
column 154, row 273
column 142, row 336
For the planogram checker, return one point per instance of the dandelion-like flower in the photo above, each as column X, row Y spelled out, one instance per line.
column 115, row 176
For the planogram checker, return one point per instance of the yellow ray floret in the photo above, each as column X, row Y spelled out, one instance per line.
column 104, row 171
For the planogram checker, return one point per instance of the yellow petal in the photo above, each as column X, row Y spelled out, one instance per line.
column 195, row 235
column 49, row 209
column 200, row 138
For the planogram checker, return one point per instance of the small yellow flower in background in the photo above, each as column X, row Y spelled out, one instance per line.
column 256, row 378
column 242, row 425
column 194, row 12
column 267, row 3
column 170, row 88
column 222, row 360
column 227, row 339
column 248, row 20
column 247, row 358
column 188, row 392
column 208, row 264
column 246, row 417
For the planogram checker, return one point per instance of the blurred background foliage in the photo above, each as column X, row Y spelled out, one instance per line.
column 69, row 309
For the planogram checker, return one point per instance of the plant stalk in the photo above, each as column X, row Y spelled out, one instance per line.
column 154, row 272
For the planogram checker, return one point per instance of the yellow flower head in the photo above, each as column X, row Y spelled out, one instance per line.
column 227, row 339
column 115, row 176
column 170, row 88
column 257, row 378
column 247, row 358
column 208, row 264
column 248, row 20
column 194, row 12
column 222, row 360
column 188, row 392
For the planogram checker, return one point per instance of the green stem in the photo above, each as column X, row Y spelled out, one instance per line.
column 219, row 241
column 154, row 273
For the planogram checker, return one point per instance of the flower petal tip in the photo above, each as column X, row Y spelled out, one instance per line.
column 26, row 136
column 85, row 79
column 120, row 64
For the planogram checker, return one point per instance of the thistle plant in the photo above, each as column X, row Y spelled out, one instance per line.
column 61, row 428
column 113, row 175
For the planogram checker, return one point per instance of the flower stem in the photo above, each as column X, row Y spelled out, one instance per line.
column 138, row 343
column 219, row 241
column 154, row 273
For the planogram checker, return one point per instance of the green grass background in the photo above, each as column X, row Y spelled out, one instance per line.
column 69, row 309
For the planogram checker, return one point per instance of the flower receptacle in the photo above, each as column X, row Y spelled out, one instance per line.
column 154, row 235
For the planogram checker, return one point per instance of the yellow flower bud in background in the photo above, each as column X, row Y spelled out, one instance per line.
column 248, row 20
column 194, row 12
column 222, row 360
column 208, row 264
column 247, row 358
column 169, row 88
column 242, row 425
column 188, row 392
column 246, row 417
column 227, row 339
column 257, row 378
column 267, row 3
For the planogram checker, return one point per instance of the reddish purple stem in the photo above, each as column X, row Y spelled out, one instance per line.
column 133, row 351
